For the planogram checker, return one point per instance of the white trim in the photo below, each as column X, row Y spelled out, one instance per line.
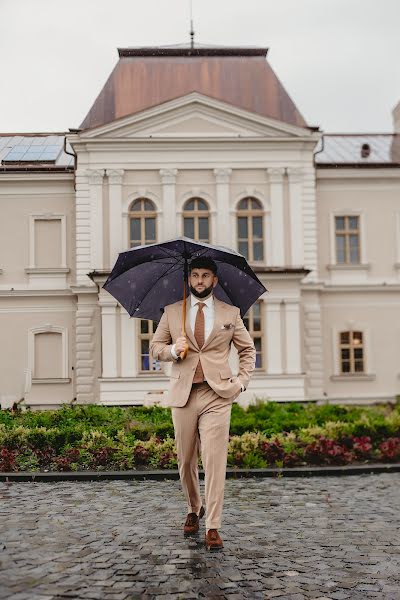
column 115, row 219
column 397, row 238
column 355, row 272
column 267, row 221
column 48, row 328
column 194, row 99
column 168, row 180
column 96, row 177
column 196, row 192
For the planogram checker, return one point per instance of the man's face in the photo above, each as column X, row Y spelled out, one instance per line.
column 202, row 282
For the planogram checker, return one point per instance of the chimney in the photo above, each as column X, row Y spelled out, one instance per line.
column 396, row 118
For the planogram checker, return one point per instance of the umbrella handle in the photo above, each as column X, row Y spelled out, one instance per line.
column 183, row 354
column 183, row 332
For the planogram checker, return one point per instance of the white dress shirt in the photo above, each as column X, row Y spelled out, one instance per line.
column 208, row 311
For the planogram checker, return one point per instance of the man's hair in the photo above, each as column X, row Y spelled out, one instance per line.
column 203, row 262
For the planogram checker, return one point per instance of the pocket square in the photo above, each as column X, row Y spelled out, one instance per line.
column 227, row 326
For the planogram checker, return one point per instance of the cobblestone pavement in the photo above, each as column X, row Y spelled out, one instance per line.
column 287, row 539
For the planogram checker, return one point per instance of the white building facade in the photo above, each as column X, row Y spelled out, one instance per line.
column 317, row 216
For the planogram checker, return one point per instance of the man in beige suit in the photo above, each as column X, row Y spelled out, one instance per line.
column 202, row 389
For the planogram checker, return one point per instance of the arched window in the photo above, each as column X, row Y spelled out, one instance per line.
column 351, row 352
column 196, row 223
column 142, row 222
column 250, row 229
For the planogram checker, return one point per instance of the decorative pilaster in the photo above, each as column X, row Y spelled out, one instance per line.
column 275, row 176
column 86, row 369
column 296, row 217
column 128, row 345
column 224, row 233
column 115, row 178
column 310, row 223
column 96, row 217
column 274, row 337
column 82, row 229
column 293, row 339
column 109, row 338
column 168, row 180
column 313, row 345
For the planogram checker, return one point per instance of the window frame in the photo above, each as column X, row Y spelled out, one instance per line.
column 249, row 213
column 142, row 214
column 196, row 214
column 146, row 336
column 257, row 333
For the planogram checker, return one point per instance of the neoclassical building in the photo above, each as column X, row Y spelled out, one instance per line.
column 203, row 142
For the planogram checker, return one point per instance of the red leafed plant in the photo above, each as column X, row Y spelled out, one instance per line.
column 325, row 451
column 362, row 446
column 141, row 455
column 273, row 451
column 7, row 460
column 390, row 449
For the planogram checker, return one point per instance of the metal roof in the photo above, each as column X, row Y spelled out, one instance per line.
column 34, row 152
column 346, row 149
column 149, row 76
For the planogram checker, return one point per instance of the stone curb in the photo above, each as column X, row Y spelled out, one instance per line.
column 160, row 475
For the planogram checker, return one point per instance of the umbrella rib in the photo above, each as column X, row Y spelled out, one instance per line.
column 168, row 271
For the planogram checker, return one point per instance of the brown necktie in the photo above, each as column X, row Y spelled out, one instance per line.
column 199, row 335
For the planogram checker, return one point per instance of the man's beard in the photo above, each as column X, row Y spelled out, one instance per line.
column 206, row 292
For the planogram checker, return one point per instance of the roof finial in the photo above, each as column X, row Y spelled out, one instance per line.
column 191, row 24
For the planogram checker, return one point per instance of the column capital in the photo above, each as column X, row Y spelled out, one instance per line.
column 168, row 175
column 295, row 174
column 95, row 176
column 115, row 176
column 222, row 175
column 275, row 174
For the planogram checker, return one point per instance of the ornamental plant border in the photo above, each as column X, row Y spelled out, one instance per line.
column 98, row 439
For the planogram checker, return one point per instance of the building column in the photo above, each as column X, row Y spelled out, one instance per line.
column 168, row 180
column 225, row 234
column 274, row 337
column 115, row 177
column 96, row 218
column 128, row 345
column 275, row 176
column 292, row 333
column 296, row 217
column 109, row 338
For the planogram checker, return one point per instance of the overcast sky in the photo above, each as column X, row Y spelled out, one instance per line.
column 338, row 59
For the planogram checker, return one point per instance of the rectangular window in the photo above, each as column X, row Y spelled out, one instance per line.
column 48, row 356
column 254, row 323
column 147, row 364
column 347, row 236
column 351, row 352
column 48, row 241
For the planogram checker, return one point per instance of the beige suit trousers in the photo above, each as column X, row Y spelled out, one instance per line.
column 202, row 425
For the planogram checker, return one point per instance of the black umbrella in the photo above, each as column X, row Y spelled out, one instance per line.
column 147, row 278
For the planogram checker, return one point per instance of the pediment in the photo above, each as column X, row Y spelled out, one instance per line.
column 194, row 117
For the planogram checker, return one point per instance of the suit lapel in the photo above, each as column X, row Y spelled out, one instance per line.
column 188, row 329
column 218, row 318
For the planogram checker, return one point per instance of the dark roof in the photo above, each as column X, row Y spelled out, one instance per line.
column 149, row 76
column 345, row 149
column 34, row 152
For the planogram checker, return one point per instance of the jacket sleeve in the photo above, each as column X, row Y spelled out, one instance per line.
column 160, row 345
column 246, row 350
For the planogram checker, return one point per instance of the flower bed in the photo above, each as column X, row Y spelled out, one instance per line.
column 266, row 435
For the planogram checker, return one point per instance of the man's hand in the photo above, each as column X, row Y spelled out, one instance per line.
column 180, row 344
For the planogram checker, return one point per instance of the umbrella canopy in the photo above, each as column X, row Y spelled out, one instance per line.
column 147, row 278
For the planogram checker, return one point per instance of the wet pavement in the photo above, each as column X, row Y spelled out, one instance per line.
column 318, row 538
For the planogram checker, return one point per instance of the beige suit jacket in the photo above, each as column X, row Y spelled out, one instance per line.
column 213, row 355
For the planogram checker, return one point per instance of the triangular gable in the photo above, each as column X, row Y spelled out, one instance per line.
column 194, row 116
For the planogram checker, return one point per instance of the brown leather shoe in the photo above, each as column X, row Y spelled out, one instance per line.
column 192, row 522
column 213, row 541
